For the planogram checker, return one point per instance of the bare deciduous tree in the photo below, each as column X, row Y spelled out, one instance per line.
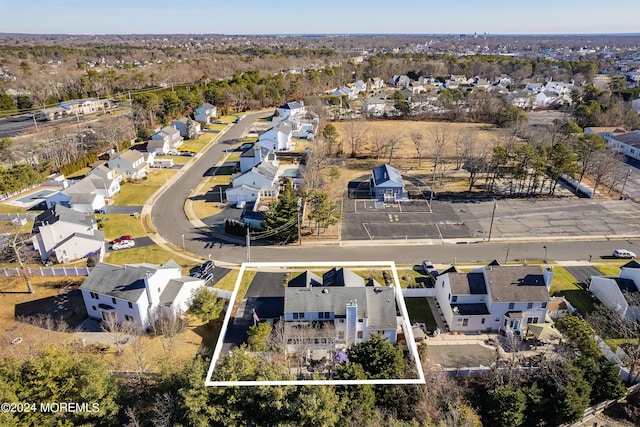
column 392, row 142
column 417, row 138
column 379, row 143
column 356, row 134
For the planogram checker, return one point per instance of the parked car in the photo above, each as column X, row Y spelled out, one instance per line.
column 218, row 122
column 206, row 267
column 623, row 253
column 187, row 153
column 123, row 244
column 428, row 267
column 101, row 211
column 207, row 278
column 121, row 238
column 247, row 146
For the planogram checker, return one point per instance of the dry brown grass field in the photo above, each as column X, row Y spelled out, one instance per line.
column 485, row 134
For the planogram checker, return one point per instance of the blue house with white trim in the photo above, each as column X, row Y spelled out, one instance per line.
column 386, row 184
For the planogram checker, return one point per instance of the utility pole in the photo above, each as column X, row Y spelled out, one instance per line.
column 624, row 184
column 493, row 214
column 248, row 246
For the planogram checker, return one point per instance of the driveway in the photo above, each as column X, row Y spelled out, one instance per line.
column 583, row 273
column 130, row 210
column 266, row 296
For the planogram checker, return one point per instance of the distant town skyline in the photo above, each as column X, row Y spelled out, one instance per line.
column 327, row 17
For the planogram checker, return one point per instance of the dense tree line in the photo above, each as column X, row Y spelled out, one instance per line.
column 17, row 177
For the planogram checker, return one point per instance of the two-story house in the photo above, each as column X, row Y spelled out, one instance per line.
column 164, row 140
column 494, row 298
column 129, row 164
column 63, row 235
column 258, row 182
column 137, row 293
column 86, row 195
column 205, row 113
column 278, row 138
column 291, row 109
column 341, row 308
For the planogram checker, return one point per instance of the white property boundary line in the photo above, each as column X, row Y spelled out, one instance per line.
column 411, row 344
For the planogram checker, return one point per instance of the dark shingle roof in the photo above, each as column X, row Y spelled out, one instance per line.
column 625, row 285
column 377, row 304
column 304, row 280
column 631, row 264
column 467, row 283
column 61, row 213
column 517, row 284
column 124, row 282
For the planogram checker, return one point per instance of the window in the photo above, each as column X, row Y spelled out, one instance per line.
column 301, row 315
column 483, row 319
column 113, row 300
column 465, row 322
column 128, row 318
column 321, row 315
column 130, row 304
column 359, row 335
column 529, row 305
column 544, row 305
column 94, row 295
column 93, row 307
column 511, row 305
column 454, row 298
column 340, row 335
column 360, row 320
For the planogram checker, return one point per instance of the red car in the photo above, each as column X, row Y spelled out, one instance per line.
column 121, row 238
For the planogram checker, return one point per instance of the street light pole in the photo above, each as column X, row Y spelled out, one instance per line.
column 183, row 247
column 545, row 254
column 493, row 214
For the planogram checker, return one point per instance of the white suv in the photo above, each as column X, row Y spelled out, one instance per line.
column 623, row 253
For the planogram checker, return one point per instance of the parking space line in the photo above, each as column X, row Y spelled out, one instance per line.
column 365, row 229
column 390, row 218
column 396, row 218
column 439, row 233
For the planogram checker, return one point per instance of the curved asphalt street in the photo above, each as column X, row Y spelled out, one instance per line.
column 172, row 224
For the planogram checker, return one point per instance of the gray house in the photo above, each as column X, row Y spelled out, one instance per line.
column 386, row 184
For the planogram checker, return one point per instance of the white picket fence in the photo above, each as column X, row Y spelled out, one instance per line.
column 47, row 271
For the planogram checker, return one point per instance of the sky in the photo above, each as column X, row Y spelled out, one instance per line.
column 319, row 17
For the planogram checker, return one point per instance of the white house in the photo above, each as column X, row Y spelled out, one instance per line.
column 205, row 113
column 253, row 157
column 494, row 298
column 166, row 139
column 616, row 292
column 343, row 308
column 66, row 235
column 278, row 138
column 102, row 171
column 259, row 182
column 86, row 195
column 137, row 293
column 375, row 106
column 130, row 164
column 292, row 109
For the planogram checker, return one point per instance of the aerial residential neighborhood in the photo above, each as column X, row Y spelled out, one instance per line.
column 323, row 229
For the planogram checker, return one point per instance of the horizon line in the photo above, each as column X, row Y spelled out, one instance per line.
column 330, row 34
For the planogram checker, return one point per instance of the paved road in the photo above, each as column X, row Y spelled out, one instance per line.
column 168, row 211
column 576, row 228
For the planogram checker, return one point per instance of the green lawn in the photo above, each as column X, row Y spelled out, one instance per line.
column 151, row 254
column 564, row 284
column 609, row 269
column 116, row 225
column 136, row 194
column 419, row 312
column 228, row 281
column 198, row 143
column 246, row 280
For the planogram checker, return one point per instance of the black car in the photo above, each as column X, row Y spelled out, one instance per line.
column 206, row 267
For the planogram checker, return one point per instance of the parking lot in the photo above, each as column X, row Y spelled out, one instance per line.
column 471, row 220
